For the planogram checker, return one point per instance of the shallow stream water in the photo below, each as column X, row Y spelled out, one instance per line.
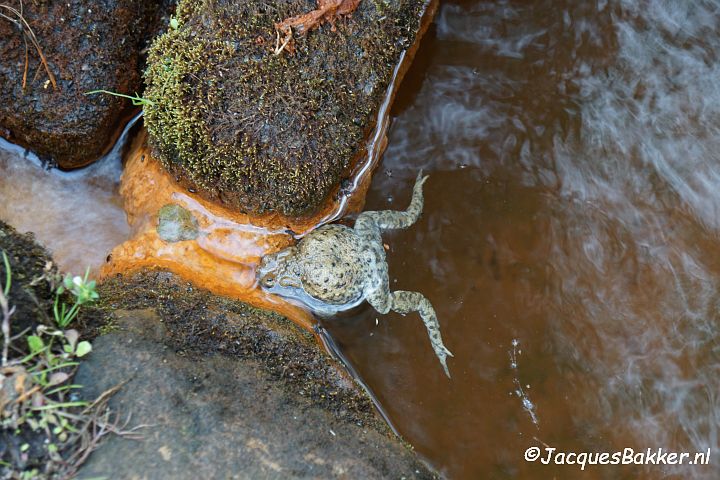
column 569, row 241
column 78, row 216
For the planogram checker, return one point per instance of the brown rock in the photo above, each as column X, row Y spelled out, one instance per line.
column 87, row 45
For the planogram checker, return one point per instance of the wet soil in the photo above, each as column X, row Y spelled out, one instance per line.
column 88, row 45
column 27, row 262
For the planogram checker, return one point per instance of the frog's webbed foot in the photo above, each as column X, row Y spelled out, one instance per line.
column 391, row 219
column 404, row 302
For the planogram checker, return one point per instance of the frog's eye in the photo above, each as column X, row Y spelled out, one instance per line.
column 268, row 280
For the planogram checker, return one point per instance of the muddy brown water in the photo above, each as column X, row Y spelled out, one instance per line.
column 571, row 210
column 569, row 241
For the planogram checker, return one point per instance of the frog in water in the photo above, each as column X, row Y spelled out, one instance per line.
column 335, row 268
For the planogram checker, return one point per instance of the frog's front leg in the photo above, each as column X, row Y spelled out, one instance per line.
column 405, row 302
column 391, row 219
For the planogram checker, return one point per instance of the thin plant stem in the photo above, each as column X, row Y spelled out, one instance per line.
column 27, row 31
column 6, row 310
column 136, row 99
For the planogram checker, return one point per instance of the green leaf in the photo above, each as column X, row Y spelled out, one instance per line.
column 35, row 343
column 83, row 348
column 8, row 274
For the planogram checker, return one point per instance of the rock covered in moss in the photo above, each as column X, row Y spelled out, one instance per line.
column 88, row 45
column 261, row 131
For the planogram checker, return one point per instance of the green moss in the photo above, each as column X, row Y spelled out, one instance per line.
column 264, row 132
column 107, row 328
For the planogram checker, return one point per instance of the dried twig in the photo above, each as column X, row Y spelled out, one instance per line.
column 97, row 422
column 27, row 64
column 6, row 311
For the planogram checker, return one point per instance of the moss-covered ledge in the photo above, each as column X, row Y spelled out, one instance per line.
column 200, row 323
column 221, row 389
column 230, row 391
column 261, row 131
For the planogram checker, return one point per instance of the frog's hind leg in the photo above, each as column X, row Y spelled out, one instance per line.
column 405, row 302
column 391, row 219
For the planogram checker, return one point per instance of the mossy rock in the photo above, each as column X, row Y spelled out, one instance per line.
column 88, row 45
column 261, row 132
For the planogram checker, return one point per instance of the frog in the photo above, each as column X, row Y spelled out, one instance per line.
column 335, row 268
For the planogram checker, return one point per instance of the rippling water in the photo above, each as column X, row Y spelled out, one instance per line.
column 569, row 242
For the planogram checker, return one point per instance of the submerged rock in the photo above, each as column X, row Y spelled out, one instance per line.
column 86, row 45
column 176, row 224
column 228, row 391
column 261, row 128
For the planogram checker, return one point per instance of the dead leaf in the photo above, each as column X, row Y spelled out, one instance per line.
column 57, row 378
column 326, row 11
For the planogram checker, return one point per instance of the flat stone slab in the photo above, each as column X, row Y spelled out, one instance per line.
column 223, row 416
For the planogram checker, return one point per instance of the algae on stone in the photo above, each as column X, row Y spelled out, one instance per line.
column 263, row 132
column 176, row 224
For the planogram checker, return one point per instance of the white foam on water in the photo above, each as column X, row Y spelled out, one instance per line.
column 520, row 391
column 76, row 215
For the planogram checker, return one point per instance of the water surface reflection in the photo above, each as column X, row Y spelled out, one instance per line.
column 572, row 207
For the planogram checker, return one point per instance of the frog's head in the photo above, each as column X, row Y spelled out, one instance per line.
column 280, row 271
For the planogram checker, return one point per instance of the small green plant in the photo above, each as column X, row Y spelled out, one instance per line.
column 42, row 398
column 136, row 99
column 84, row 292
column 8, row 274
column 174, row 24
